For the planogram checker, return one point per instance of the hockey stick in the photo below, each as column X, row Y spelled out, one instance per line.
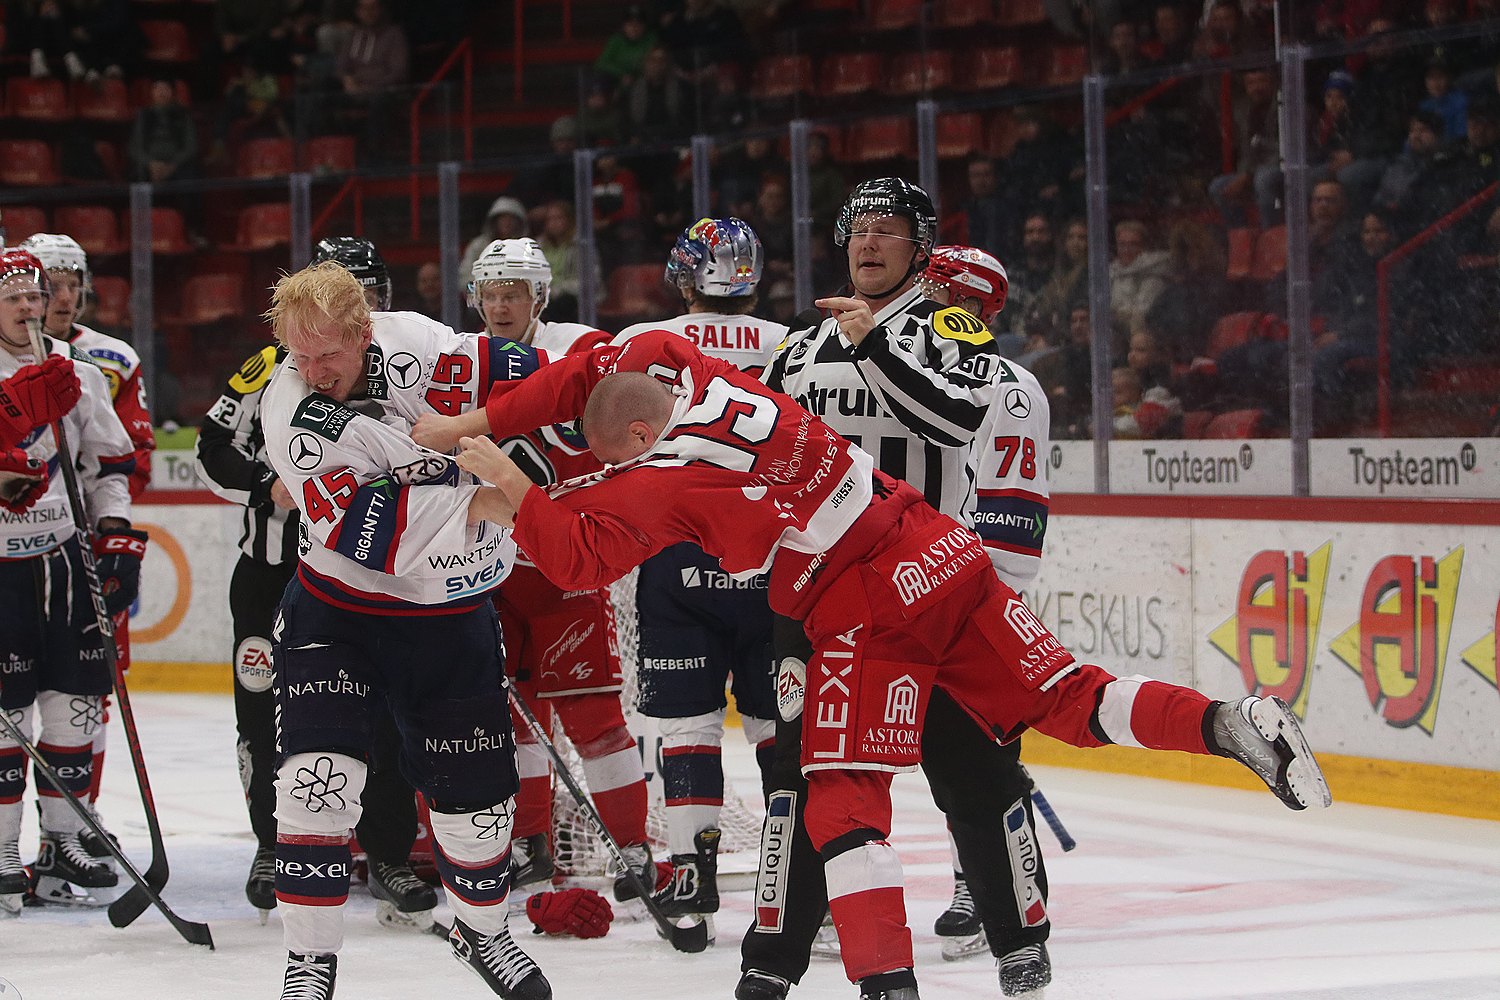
column 134, row 902
column 193, row 933
column 693, row 938
column 1045, row 808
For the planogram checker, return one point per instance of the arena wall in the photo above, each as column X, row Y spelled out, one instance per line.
column 1375, row 619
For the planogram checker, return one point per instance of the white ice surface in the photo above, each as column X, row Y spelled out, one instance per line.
column 1176, row 892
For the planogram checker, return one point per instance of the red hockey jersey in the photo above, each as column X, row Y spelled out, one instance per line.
column 741, row 470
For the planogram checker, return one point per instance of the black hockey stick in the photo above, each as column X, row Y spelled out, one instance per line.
column 135, row 901
column 1045, row 808
column 693, row 938
column 193, row 933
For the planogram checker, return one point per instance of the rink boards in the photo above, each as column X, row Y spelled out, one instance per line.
column 1375, row 620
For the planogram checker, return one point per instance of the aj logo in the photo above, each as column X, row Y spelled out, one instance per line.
column 1480, row 657
column 1400, row 643
column 1273, row 633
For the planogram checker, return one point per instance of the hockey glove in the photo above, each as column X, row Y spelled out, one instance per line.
column 23, row 480
column 119, row 551
column 582, row 913
column 36, row 395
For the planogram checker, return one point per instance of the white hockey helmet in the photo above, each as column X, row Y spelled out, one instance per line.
column 62, row 253
column 514, row 260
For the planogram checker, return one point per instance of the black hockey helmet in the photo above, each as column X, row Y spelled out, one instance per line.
column 889, row 196
column 360, row 258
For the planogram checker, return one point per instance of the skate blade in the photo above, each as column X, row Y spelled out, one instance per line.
column 264, row 916
column 53, row 891
column 960, row 947
column 1303, row 775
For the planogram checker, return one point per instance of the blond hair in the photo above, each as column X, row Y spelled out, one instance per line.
column 322, row 300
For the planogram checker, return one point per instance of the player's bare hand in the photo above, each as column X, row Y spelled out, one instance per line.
column 483, row 458
column 435, row 431
column 281, row 496
column 852, row 315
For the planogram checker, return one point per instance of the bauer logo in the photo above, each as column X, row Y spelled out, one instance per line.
column 1399, row 645
column 252, row 664
column 1273, row 632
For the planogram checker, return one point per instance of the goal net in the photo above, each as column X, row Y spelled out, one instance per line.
column 577, row 848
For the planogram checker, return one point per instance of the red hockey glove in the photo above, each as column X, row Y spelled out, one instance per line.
column 23, row 480
column 120, row 551
column 36, row 395
column 580, row 912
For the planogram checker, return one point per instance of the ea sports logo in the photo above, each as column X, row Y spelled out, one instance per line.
column 252, row 664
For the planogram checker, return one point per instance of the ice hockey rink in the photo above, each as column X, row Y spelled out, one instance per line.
column 1175, row 892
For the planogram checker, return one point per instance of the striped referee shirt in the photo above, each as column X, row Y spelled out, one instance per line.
column 913, row 393
column 232, row 460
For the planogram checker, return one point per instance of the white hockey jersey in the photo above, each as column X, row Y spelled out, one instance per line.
column 744, row 341
column 1008, row 508
column 560, row 338
column 384, row 520
column 102, row 454
column 122, row 367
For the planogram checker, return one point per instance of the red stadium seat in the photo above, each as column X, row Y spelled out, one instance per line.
column 168, row 42
column 1270, row 254
column 44, row 100
column 989, row 68
column 331, row 154
column 111, row 301
column 22, row 221
column 110, row 158
column 208, row 298
column 169, row 232
column 915, row 73
column 1067, row 65
column 264, row 227
column 781, row 76
column 959, row 134
column 1017, row 13
column 636, row 290
column 1241, row 254
column 872, row 139
column 849, row 73
column 267, row 158
column 1233, row 330
column 108, row 100
column 94, row 227
column 892, row 15
column 963, row 13
column 1000, row 137
column 1195, row 422
column 140, row 93
column 1236, row 424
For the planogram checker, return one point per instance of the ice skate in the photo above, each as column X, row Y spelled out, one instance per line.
column 63, row 868
column 757, row 985
column 530, row 861
column 13, row 881
column 959, row 927
column 403, row 901
column 899, row 985
column 260, row 887
column 638, row 858
column 500, row 962
column 309, row 977
column 1025, row 971
column 1264, row 735
column 695, row 879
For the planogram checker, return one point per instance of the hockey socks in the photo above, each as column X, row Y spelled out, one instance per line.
column 312, row 885
column 865, row 898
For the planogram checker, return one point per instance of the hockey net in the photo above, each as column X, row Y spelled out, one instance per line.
column 578, row 850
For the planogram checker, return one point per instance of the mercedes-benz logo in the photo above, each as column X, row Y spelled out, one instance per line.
column 1017, row 403
column 403, row 370
column 306, row 451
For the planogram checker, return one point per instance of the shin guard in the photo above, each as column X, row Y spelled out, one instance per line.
column 472, row 851
column 317, row 805
column 692, row 775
